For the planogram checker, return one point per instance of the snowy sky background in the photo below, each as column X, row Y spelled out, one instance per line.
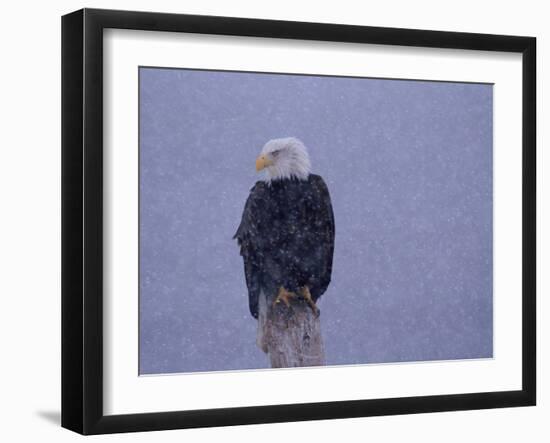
column 409, row 168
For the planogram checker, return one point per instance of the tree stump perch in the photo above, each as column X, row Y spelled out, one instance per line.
column 291, row 336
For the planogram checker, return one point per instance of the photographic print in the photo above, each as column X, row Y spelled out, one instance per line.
column 293, row 220
column 254, row 205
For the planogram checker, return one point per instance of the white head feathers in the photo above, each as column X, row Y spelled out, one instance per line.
column 285, row 158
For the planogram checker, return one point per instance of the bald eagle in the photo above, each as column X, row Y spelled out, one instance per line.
column 286, row 234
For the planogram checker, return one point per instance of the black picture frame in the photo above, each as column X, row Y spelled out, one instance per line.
column 82, row 220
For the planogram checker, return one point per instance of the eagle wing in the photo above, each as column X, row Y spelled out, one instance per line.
column 250, row 240
column 324, row 227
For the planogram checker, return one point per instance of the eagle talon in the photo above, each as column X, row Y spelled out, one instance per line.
column 306, row 295
column 284, row 296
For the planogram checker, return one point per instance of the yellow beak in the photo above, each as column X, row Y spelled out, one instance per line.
column 262, row 162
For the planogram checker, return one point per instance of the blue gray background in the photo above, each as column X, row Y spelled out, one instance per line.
column 409, row 168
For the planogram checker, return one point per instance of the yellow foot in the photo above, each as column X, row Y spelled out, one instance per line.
column 304, row 292
column 284, row 296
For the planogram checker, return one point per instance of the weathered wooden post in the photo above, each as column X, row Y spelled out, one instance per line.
column 291, row 336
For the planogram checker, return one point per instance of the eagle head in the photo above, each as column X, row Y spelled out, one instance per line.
column 284, row 158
